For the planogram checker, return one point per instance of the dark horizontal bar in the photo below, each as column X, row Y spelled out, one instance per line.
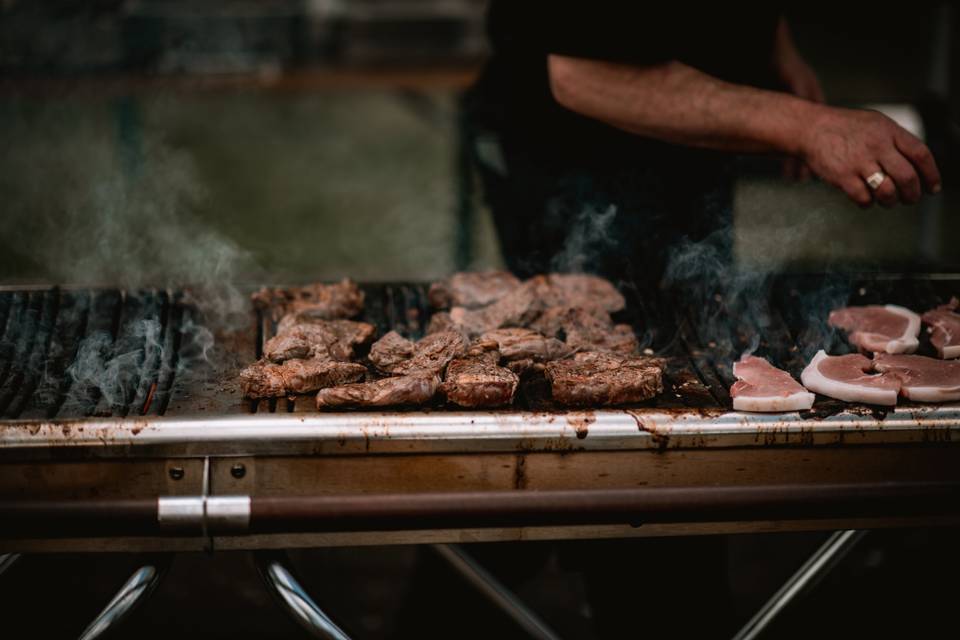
column 454, row 510
column 392, row 512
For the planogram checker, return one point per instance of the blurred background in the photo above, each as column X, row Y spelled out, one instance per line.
column 149, row 141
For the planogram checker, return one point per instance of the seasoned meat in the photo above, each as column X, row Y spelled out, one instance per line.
column 473, row 289
column 762, row 387
column 430, row 355
column 265, row 379
column 516, row 343
column 516, row 309
column 440, row 321
column 878, row 329
column 388, row 392
column 321, row 301
column 944, row 327
column 577, row 290
column 477, row 381
column 336, row 338
column 390, row 351
column 922, row 379
column 849, row 378
column 587, row 329
column 595, row 378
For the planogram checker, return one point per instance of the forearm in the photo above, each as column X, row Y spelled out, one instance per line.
column 676, row 103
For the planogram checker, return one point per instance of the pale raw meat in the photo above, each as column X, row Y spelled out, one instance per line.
column 922, row 379
column 762, row 387
column 848, row 378
column 879, row 329
column 944, row 328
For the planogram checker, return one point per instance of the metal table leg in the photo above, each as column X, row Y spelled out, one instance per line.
column 294, row 599
column 7, row 560
column 495, row 592
column 134, row 591
column 816, row 567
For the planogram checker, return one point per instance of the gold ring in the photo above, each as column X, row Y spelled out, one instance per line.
column 875, row 180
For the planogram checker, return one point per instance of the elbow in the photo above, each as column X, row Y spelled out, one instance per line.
column 561, row 73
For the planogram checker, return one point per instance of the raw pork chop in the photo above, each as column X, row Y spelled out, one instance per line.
column 762, row 387
column 944, row 329
column 922, row 379
column 595, row 378
column 388, row 392
column 878, row 329
column 471, row 289
column 848, row 378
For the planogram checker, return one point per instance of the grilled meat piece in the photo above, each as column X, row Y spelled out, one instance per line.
column 389, row 392
column 587, row 329
column 320, row 301
column 477, row 381
column 516, row 343
column 390, row 351
column 265, row 379
column 440, row 321
column 319, row 338
column 516, row 309
column 595, row 378
column 471, row 289
column 430, row 355
column 577, row 290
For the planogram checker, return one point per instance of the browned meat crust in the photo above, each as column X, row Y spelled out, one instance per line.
column 587, row 329
column 388, row 392
column 477, row 380
column 577, row 290
column 321, row 301
column 605, row 379
column 516, row 309
column 265, row 379
column 430, row 355
column 335, row 339
column 471, row 289
column 517, row 343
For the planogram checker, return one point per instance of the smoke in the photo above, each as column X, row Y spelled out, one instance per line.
column 589, row 236
column 99, row 200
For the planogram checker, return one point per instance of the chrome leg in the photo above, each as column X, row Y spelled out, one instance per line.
column 295, row 600
column 495, row 592
column 816, row 567
column 7, row 560
column 134, row 591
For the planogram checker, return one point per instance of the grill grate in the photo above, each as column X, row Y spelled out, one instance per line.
column 67, row 353
column 81, row 352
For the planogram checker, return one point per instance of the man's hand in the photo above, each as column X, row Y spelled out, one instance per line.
column 845, row 146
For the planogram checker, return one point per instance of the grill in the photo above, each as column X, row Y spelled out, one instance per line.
column 155, row 449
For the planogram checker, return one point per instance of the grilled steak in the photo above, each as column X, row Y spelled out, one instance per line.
column 587, row 329
column 762, row 387
column 577, row 290
column 318, row 338
column 879, row 329
column 321, row 301
column 476, row 380
column 473, row 289
column 430, row 355
column 515, row 343
column 595, row 378
column 388, row 392
column 516, row 309
column 265, row 379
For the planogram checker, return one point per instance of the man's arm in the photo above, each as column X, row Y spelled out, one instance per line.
column 676, row 103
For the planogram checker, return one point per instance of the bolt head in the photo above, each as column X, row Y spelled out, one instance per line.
column 238, row 471
column 176, row 473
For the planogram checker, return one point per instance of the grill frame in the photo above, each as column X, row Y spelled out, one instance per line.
column 289, row 449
